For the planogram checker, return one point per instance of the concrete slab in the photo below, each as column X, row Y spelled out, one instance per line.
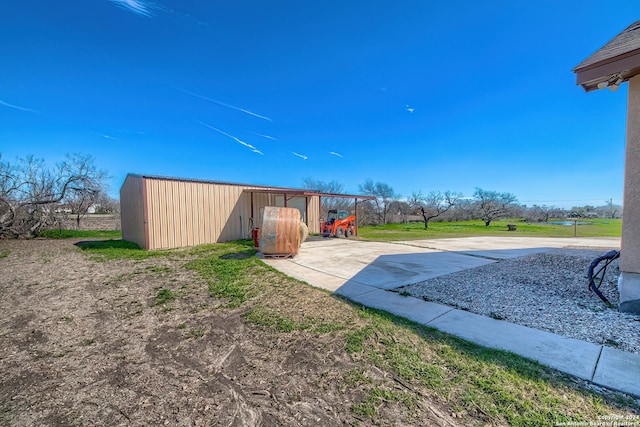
column 411, row 308
column 487, row 243
column 394, row 270
column 568, row 355
column 352, row 289
column 618, row 370
column 324, row 263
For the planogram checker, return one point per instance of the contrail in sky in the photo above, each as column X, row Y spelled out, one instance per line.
column 251, row 113
column 16, row 107
column 335, row 154
column 139, row 7
column 299, row 155
column 266, row 136
column 254, row 149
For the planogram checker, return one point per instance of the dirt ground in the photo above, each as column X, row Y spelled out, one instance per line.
column 83, row 343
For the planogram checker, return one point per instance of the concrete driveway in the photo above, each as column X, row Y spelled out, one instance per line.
column 352, row 267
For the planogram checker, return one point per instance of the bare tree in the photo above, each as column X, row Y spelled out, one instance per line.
column 106, row 204
column 30, row 192
column 492, row 205
column 539, row 213
column 384, row 196
column 326, row 202
column 366, row 213
column 399, row 209
column 80, row 203
column 433, row 204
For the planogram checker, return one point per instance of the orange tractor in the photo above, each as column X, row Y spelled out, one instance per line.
column 339, row 224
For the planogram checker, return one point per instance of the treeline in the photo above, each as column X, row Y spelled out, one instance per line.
column 488, row 206
column 35, row 196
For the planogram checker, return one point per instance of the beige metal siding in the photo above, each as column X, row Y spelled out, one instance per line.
column 260, row 200
column 185, row 213
column 313, row 214
column 132, row 210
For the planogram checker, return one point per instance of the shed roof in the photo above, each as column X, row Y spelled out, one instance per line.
column 614, row 63
column 261, row 188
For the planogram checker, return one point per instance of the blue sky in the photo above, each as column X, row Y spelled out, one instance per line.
column 421, row 95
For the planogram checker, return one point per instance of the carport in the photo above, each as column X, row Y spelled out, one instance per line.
column 284, row 197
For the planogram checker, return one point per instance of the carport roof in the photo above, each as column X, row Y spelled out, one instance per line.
column 302, row 192
column 614, row 63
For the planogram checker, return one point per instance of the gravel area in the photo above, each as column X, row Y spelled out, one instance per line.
column 547, row 291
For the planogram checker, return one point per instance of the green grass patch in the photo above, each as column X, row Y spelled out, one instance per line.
column 228, row 269
column 377, row 397
column 436, row 230
column 81, row 234
column 273, row 320
column 104, row 250
column 164, row 296
column 4, row 253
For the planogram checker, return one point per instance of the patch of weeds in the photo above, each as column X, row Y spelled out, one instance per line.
column 47, row 354
column 354, row 341
column 182, row 326
column 356, row 377
column 496, row 316
column 272, row 320
column 611, row 343
column 229, row 277
column 326, row 328
column 404, row 293
column 196, row 332
column 164, row 296
column 88, row 342
column 365, row 409
column 377, row 397
column 4, row 253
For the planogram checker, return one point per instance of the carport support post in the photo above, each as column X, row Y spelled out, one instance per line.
column 629, row 281
column 355, row 212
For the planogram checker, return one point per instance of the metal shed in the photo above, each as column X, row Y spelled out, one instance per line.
column 162, row 212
